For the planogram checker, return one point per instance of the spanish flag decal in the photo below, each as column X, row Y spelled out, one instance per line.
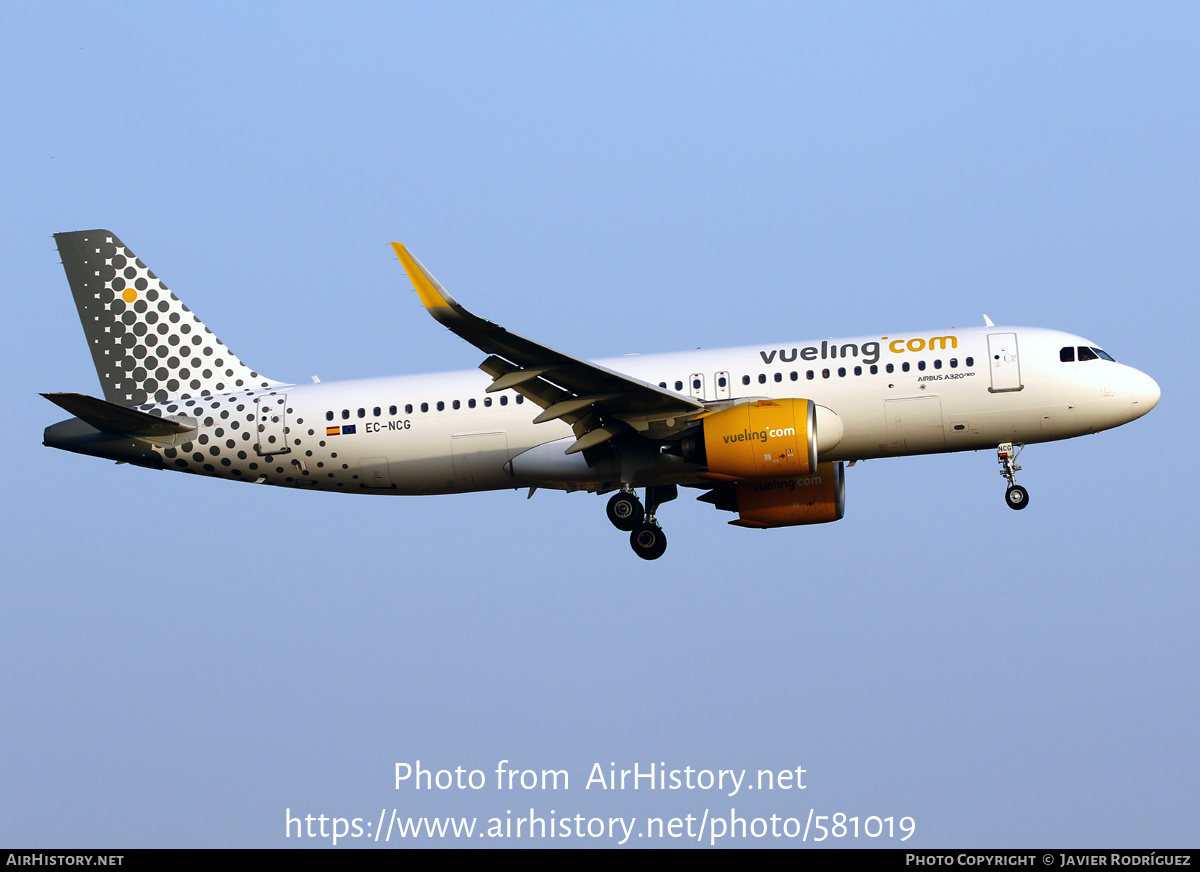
column 332, row 431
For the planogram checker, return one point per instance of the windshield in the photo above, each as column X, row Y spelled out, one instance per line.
column 1067, row 354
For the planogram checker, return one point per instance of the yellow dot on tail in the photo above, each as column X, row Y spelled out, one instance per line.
column 129, row 296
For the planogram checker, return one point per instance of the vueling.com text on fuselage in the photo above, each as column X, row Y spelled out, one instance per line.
column 869, row 351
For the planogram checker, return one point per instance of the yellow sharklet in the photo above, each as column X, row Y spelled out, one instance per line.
column 432, row 295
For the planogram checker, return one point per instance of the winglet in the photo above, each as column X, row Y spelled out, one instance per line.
column 432, row 294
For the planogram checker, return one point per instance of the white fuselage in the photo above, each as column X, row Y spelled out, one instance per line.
column 913, row 393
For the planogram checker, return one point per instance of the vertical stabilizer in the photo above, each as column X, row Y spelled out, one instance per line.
column 147, row 345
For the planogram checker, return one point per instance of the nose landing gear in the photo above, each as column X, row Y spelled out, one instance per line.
column 1006, row 455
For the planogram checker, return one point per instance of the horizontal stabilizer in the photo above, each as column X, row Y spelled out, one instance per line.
column 110, row 418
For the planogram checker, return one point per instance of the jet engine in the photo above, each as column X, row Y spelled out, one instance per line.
column 762, row 439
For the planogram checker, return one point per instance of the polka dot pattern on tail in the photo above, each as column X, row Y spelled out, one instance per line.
column 146, row 344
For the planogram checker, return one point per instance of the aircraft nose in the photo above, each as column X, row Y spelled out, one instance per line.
column 1144, row 394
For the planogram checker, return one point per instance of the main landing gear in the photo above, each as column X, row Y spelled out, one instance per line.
column 1006, row 454
column 626, row 513
column 625, row 510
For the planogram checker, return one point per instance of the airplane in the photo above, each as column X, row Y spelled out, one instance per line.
column 761, row 431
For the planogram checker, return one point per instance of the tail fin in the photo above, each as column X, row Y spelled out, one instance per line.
column 147, row 346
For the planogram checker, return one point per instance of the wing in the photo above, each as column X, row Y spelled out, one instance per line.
column 597, row 402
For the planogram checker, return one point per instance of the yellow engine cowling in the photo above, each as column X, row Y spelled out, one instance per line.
column 787, row 502
column 762, row 439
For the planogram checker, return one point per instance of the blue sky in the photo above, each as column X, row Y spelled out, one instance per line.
column 182, row 660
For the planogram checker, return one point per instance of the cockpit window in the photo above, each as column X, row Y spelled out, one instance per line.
column 1067, row 354
column 1104, row 354
column 1086, row 353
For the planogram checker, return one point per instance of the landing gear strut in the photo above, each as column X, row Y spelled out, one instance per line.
column 626, row 513
column 1006, row 455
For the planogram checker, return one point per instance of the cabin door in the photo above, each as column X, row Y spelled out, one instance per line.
column 272, row 425
column 1004, row 363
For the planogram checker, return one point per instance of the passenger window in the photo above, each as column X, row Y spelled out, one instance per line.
column 921, row 365
column 841, row 372
column 678, row 385
column 424, row 407
column 824, row 373
column 378, row 411
column 662, row 384
column 391, row 410
column 362, row 413
column 504, row 400
column 778, row 377
column 441, row 407
column 487, row 401
column 762, row 379
column 345, row 414
column 810, row 375
column 745, row 379
column 329, row 416
column 1067, row 354
column 456, row 404
column 905, row 366
column 1086, row 353
column 520, row 399
column 874, row 369
column 891, row 367
column 723, row 382
column 970, row 361
column 937, row 364
column 858, row 370
column 408, row 408
column 695, row 384
column 795, row 375
column 471, row 403
column 954, row 363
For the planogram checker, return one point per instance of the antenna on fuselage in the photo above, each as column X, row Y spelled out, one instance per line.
column 987, row 322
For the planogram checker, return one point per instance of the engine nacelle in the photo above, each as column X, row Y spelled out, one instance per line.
column 763, row 439
column 788, row 502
